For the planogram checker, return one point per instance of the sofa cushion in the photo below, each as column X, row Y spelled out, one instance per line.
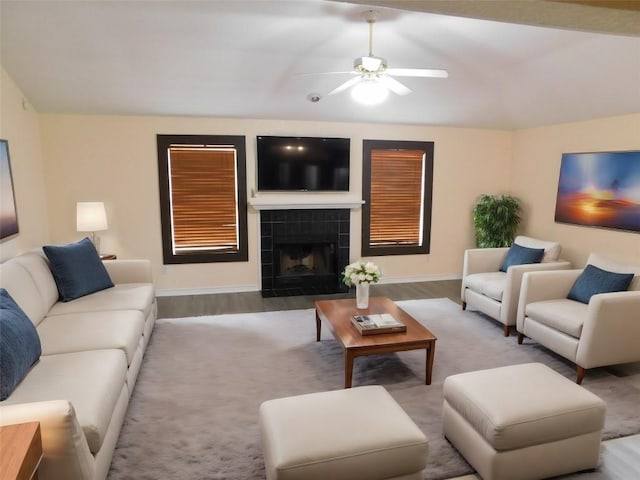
column 78, row 332
column 490, row 284
column 123, row 296
column 91, row 381
column 77, row 269
column 20, row 285
column 551, row 249
column 519, row 255
column 19, row 344
column 594, row 280
column 563, row 315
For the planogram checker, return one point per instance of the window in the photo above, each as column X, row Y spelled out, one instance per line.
column 397, row 183
column 203, row 198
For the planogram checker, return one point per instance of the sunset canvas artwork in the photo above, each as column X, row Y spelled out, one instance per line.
column 600, row 189
column 8, row 216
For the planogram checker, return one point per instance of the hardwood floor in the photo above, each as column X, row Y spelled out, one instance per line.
column 244, row 302
column 621, row 457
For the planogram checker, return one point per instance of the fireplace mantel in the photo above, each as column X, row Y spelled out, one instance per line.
column 304, row 202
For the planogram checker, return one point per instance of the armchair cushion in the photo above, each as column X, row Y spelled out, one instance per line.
column 519, row 255
column 490, row 284
column 563, row 315
column 594, row 280
column 551, row 249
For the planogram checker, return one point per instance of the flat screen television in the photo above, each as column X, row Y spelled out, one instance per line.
column 303, row 164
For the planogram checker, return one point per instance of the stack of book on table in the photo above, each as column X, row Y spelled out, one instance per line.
column 378, row 323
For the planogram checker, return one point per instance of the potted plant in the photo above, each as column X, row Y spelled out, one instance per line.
column 496, row 219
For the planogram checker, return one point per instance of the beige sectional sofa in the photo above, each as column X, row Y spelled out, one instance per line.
column 92, row 349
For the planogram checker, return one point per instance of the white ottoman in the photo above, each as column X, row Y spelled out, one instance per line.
column 522, row 422
column 354, row 434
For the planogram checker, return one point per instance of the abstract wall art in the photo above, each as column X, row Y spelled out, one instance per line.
column 8, row 213
column 600, row 189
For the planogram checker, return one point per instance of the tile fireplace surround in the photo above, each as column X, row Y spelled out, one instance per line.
column 303, row 251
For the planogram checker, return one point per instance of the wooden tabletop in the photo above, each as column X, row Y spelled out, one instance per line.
column 21, row 448
column 338, row 313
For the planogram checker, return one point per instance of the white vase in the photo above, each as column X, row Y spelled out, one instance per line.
column 362, row 295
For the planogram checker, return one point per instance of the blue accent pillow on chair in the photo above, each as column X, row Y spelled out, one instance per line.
column 19, row 344
column 594, row 280
column 519, row 255
column 77, row 269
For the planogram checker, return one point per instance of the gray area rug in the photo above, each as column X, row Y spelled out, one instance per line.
column 194, row 411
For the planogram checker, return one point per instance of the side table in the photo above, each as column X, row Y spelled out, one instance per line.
column 21, row 447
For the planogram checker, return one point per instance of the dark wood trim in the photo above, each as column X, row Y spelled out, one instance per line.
column 239, row 142
column 367, row 147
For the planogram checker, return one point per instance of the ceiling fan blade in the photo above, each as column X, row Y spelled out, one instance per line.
column 348, row 84
column 417, row 72
column 395, row 86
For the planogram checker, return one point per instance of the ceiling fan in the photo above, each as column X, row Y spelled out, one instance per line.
column 374, row 80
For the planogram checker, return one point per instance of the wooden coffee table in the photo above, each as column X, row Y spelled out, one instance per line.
column 337, row 316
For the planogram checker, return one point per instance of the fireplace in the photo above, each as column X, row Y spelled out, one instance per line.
column 303, row 252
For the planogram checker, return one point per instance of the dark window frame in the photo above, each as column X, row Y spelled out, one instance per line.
column 367, row 147
column 239, row 143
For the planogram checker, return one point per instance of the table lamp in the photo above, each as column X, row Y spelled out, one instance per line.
column 91, row 217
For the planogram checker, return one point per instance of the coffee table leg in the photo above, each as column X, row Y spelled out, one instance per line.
column 431, row 353
column 348, row 368
column 318, row 326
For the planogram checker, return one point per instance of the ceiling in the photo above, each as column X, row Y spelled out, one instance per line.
column 507, row 68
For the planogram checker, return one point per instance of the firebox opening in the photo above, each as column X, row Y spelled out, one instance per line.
column 306, row 259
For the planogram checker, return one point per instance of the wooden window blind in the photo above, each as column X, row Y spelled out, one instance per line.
column 397, row 193
column 204, row 209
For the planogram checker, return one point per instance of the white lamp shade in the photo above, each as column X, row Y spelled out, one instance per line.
column 91, row 217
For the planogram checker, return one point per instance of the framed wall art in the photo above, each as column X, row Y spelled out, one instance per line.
column 8, row 212
column 600, row 189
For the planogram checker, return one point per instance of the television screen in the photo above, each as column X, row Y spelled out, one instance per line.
column 303, row 164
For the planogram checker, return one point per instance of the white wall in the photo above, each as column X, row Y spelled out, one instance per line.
column 114, row 159
column 536, row 167
column 19, row 125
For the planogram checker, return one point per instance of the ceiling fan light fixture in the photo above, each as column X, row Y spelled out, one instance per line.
column 369, row 64
column 369, row 92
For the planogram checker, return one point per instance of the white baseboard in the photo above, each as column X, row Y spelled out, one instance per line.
column 256, row 288
column 207, row 290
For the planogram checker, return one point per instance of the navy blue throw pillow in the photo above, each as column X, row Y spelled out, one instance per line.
column 519, row 255
column 594, row 280
column 19, row 344
column 77, row 269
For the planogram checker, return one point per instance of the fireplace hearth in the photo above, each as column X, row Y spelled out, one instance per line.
column 303, row 252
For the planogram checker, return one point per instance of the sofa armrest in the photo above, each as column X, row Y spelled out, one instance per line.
column 129, row 271
column 546, row 285
column 65, row 450
column 611, row 331
column 513, row 284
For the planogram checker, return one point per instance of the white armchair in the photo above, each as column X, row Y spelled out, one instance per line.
column 495, row 293
column 606, row 331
